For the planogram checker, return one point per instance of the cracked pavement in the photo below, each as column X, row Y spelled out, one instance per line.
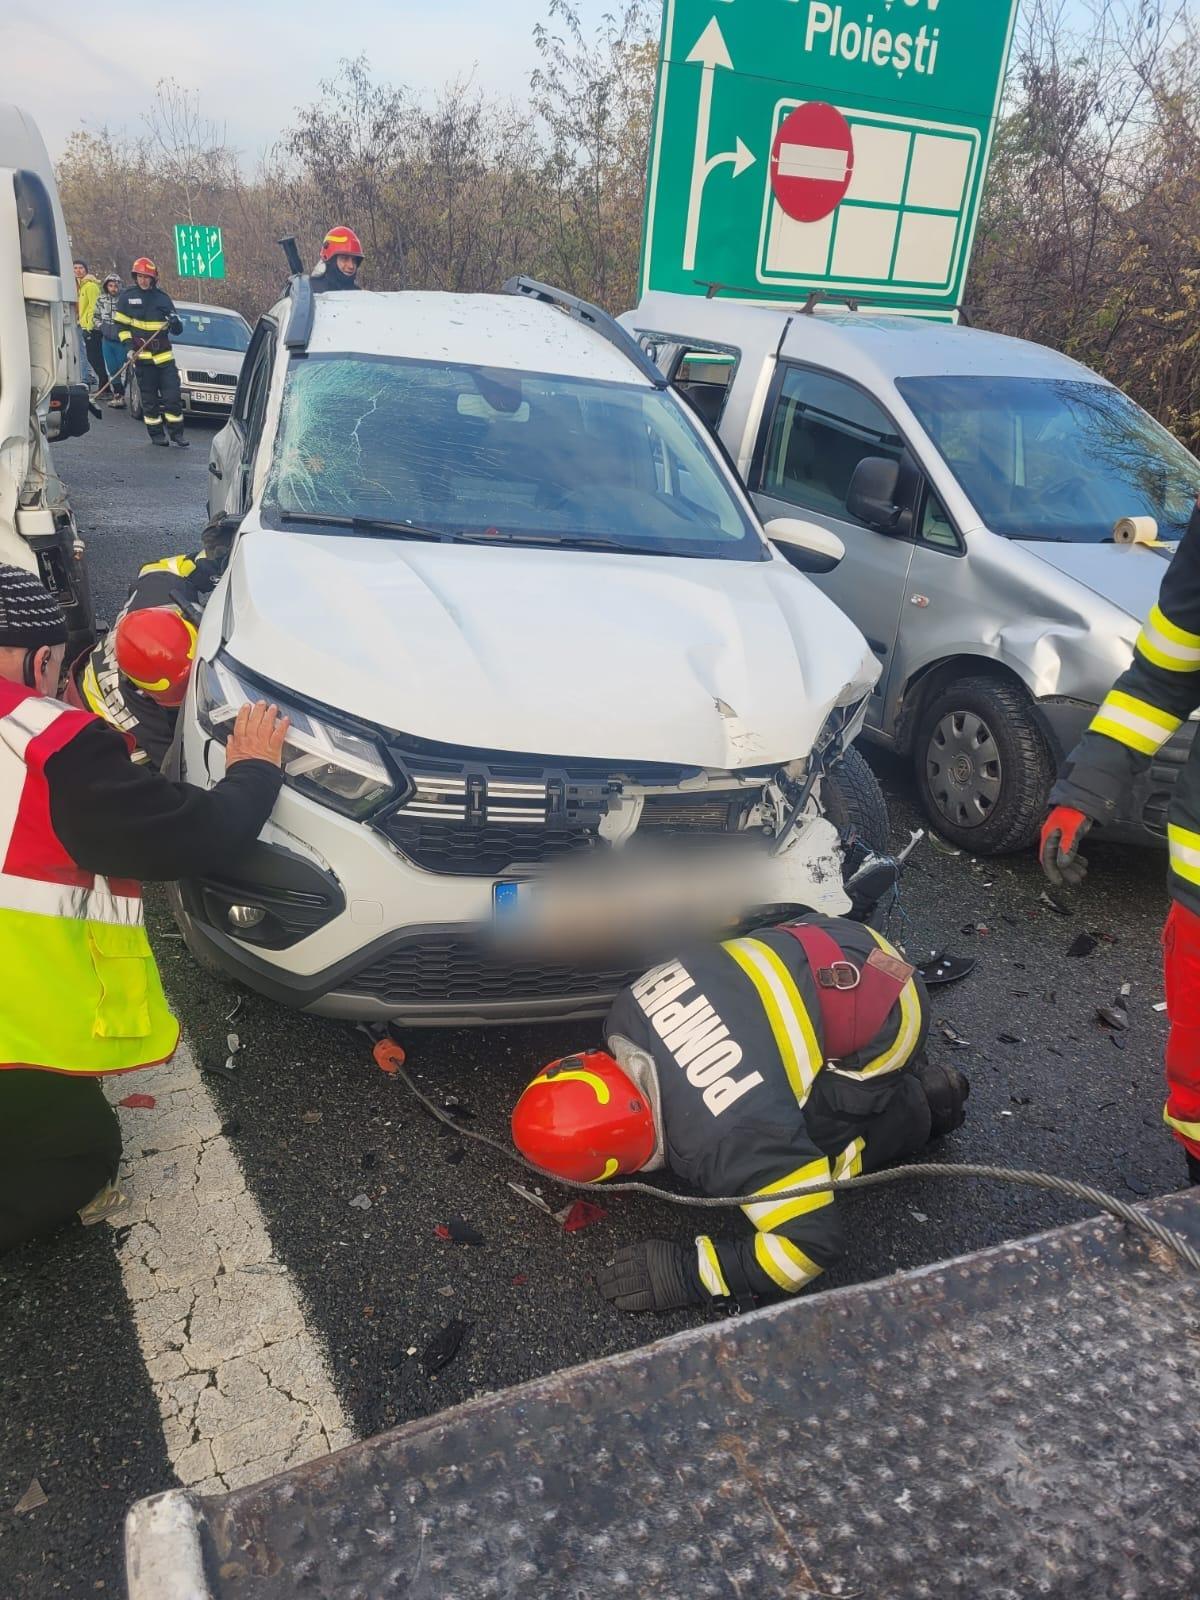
column 243, row 1313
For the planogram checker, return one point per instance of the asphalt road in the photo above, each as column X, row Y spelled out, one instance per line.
column 315, row 1127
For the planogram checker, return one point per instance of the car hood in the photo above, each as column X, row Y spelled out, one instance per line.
column 195, row 355
column 718, row 664
column 1128, row 576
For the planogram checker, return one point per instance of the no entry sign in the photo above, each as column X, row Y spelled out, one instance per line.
column 812, row 161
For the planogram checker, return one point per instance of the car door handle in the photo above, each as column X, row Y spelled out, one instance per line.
column 215, row 470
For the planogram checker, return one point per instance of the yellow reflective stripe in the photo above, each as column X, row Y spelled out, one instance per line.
column 181, row 566
column 119, row 316
column 1190, row 1130
column 849, row 1163
column 768, row 1214
column 91, row 691
column 786, row 1012
column 1185, row 852
column 783, row 1262
column 711, row 1275
column 1167, row 645
column 151, row 422
column 162, row 357
column 136, row 322
column 1139, row 724
column 124, row 337
column 902, row 1046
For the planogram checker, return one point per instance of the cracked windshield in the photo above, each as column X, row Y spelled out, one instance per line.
column 483, row 453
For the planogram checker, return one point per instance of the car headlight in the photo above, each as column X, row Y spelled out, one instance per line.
column 321, row 760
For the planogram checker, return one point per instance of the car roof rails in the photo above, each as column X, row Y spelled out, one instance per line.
column 299, row 289
column 817, row 297
column 592, row 317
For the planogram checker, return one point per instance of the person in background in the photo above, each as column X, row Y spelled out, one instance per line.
column 87, row 290
column 146, row 318
column 80, row 826
column 341, row 257
column 1145, row 708
column 112, row 354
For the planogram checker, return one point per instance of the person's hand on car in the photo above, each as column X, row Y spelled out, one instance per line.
column 258, row 735
column 1062, row 832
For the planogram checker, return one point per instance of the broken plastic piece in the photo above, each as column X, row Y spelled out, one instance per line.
column 1111, row 1017
column 528, row 1194
column 138, row 1102
column 361, row 1202
column 1083, row 945
column 952, row 1036
column 940, row 967
column 444, row 1346
column 459, row 1232
column 580, row 1215
column 32, row 1500
column 1010, row 1038
column 1048, row 899
column 232, row 1043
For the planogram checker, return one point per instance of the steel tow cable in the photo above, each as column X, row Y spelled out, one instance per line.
column 1130, row 1215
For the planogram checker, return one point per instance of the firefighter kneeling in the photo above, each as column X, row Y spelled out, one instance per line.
column 751, row 1067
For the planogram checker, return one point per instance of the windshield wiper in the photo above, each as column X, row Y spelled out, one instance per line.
column 367, row 525
column 569, row 541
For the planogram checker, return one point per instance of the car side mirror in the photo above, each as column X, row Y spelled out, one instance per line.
column 808, row 546
column 871, row 497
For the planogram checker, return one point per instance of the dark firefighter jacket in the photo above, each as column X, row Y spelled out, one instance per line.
column 145, row 315
column 181, row 581
column 748, row 1104
column 1145, row 707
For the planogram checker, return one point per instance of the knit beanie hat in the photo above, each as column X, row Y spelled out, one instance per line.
column 30, row 616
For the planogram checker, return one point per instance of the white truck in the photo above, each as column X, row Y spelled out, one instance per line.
column 43, row 392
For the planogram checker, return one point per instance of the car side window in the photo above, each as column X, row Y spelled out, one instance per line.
column 936, row 528
column 258, row 388
column 822, row 427
column 252, row 380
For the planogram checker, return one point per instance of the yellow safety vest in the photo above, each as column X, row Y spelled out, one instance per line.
column 79, row 988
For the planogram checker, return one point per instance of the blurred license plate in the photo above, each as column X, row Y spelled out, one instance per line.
column 213, row 397
column 511, row 899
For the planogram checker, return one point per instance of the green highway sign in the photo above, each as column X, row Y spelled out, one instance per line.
column 808, row 144
column 199, row 251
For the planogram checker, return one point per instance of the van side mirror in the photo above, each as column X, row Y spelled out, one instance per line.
column 808, row 546
column 871, row 497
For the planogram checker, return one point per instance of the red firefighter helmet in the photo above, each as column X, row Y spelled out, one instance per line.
column 583, row 1117
column 143, row 266
column 155, row 649
column 341, row 242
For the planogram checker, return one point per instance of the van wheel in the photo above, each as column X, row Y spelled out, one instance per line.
column 982, row 766
column 854, row 802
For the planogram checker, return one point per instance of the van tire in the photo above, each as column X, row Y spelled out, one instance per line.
column 986, row 728
column 854, row 802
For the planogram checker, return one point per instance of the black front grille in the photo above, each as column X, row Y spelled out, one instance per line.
column 212, row 380
column 481, row 850
column 445, row 970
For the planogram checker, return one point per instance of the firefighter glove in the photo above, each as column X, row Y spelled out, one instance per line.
column 946, row 1089
column 1062, row 832
column 175, row 325
column 655, row 1275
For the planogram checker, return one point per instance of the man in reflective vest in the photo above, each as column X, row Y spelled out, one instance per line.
column 1145, row 708
column 786, row 1058
column 79, row 826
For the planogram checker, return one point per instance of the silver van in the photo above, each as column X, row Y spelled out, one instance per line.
column 974, row 482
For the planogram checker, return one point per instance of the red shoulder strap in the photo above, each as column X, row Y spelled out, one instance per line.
column 851, row 1017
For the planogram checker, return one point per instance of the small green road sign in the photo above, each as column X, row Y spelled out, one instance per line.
column 199, row 251
column 807, row 144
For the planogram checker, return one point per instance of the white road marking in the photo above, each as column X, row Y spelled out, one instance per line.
column 242, row 1381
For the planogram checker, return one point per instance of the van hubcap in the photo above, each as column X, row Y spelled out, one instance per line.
column 963, row 769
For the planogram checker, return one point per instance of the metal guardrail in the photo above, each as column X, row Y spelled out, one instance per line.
column 1018, row 1421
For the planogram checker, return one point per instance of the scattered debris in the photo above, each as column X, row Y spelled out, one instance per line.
column 940, row 967
column 528, row 1194
column 952, row 1036
column 1006, row 1113
column 232, row 1043
column 1159, row 1005
column 446, row 1291
column 580, row 1215
column 458, row 1232
column 1020, row 1099
column 1111, row 1017
column 32, row 1500
column 456, row 1154
column 220, row 1068
column 237, row 1006
column 519, row 1279
column 310, row 1116
column 1135, row 1185
column 138, row 1102
column 361, row 1202
column 1010, row 1038
column 1106, row 1105
column 1117, row 1039
column 919, row 1216
column 1047, row 899
column 1083, row 945
column 444, row 1346
column 943, row 846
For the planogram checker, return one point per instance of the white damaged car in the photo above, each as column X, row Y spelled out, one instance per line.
column 522, row 615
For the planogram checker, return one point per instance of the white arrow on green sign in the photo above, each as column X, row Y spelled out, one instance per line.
column 199, row 251
column 808, row 144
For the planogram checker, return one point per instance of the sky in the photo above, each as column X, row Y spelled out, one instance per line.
column 252, row 62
